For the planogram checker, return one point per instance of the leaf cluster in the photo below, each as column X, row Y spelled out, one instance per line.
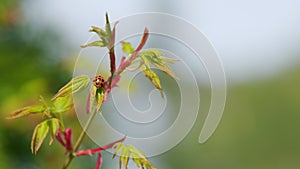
column 147, row 60
column 127, row 152
column 52, row 123
column 106, row 36
column 52, row 114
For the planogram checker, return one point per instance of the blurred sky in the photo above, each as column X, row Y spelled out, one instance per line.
column 254, row 39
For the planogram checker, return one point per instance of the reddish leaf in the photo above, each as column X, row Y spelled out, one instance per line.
column 59, row 138
column 66, row 140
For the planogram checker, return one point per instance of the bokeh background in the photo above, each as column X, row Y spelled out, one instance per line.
column 258, row 43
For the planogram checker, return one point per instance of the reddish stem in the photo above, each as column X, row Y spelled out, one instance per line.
column 112, row 51
column 143, row 41
column 90, row 152
column 124, row 63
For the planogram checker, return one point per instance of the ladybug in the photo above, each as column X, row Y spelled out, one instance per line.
column 98, row 81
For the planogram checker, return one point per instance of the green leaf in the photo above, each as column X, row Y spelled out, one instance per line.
column 151, row 53
column 169, row 60
column 91, row 103
column 107, row 26
column 43, row 101
column 99, row 97
column 54, row 126
column 95, row 99
column 62, row 104
column 152, row 76
column 39, row 135
column 129, row 151
column 41, row 131
column 125, row 157
column 117, row 146
column 101, row 33
column 155, row 58
column 95, row 43
column 26, row 111
column 75, row 85
column 127, row 48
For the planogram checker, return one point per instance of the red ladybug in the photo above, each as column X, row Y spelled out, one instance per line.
column 98, row 81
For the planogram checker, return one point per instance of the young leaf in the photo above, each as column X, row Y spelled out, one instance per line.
column 125, row 157
column 127, row 152
column 101, row 33
column 169, row 60
column 107, row 26
column 95, row 99
column 43, row 101
column 99, row 98
column 54, row 125
column 39, row 135
column 62, row 104
column 64, row 137
column 95, row 43
column 127, row 48
column 76, row 84
column 91, row 102
column 26, row 111
column 150, row 74
column 118, row 147
column 41, row 131
column 155, row 57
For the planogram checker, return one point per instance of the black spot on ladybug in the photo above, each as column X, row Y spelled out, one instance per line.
column 98, row 81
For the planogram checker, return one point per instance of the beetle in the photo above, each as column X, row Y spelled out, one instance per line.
column 98, row 81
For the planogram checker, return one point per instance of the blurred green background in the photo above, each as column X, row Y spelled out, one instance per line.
column 260, row 128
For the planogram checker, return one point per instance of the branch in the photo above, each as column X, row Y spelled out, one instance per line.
column 80, row 139
column 125, row 63
column 113, row 81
